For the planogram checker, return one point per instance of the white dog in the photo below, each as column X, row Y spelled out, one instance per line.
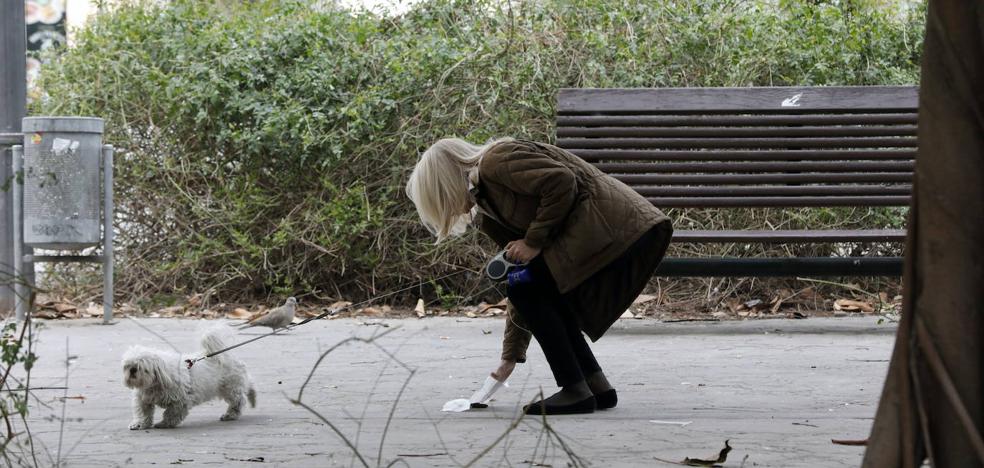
column 160, row 378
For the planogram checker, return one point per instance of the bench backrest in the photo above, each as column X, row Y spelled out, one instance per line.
column 749, row 147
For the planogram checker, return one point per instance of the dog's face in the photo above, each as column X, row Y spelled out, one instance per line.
column 142, row 369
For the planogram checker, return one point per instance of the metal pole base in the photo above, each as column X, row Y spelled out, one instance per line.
column 107, row 255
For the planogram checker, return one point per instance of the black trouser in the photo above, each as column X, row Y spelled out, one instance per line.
column 553, row 325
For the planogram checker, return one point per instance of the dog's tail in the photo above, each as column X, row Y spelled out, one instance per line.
column 212, row 340
column 251, row 395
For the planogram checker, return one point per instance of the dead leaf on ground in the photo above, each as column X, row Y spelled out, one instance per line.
column 93, row 310
column 250, row 459
column 497, row 308
column 848, row 305
column 46, row 314
column 339, row 305
column 809, row 294
column 752, row 303
column 371, row 311
column 419, row 309
column 471, row 314
column 776, row 305
column 168, row 312
column 643, row 298
column 128, row 309
column 627, row 314
column 861, row 442
column 238, row 314
column 63, row 307
column 721, row 458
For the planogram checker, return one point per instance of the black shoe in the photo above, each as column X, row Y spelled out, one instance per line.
column 607, row 399
column 584, row 406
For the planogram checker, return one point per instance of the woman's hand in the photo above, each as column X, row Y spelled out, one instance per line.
column 504, row 371
column 518, row 251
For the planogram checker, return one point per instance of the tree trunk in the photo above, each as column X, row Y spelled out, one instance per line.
column 931, row 405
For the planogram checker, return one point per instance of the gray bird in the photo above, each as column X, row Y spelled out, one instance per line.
column 276, row 318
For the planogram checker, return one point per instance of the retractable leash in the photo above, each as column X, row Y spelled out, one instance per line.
column 501, row 268
column 191, row 362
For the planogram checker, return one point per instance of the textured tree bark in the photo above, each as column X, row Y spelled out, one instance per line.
column 931, row 405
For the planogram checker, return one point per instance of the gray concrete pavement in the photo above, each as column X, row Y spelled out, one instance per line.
column 779, row 390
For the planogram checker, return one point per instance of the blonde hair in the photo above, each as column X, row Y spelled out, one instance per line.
column 438, row 185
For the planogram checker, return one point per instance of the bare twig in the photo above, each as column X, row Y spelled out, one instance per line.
column 502, row 436
column 333, row 428
column 833, row 283
column 300, row 393
column 389, row 417
column 61, row 427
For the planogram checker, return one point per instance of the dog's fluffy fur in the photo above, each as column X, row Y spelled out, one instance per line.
column 160, row 378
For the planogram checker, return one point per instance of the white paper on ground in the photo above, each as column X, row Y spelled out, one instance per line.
column 484, row 394
column 672, row 423
column 457, row 406
column 481, row 396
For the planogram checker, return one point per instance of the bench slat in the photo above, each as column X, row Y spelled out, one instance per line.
column 774, row 190
column 795, row 266
column 776, row 147
column 741, row 120
column 790, row 166
column 793, row 99
column 750, row 179
column 743, row 132
column 740, row 155
column 764, row 202
column 790, row 236
column 806, row 142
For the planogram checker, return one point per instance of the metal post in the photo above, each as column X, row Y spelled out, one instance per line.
column 13, row 101
column 6, row 226
column 107, row 234
column 20, row 298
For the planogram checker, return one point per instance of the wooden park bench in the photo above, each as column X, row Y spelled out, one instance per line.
column 780, row 147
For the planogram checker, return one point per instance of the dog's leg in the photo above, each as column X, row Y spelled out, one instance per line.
column 173, row 415
column 143, row 414
column 235, row 406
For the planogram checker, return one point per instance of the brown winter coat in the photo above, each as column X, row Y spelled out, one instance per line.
column 582, row 218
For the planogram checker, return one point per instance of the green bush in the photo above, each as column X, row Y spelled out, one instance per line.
column 263, row 145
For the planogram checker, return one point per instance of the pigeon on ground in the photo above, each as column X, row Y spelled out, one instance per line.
column 276, row 318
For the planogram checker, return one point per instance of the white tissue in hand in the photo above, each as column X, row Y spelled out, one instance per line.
column 457, row 406
column 488, row 388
